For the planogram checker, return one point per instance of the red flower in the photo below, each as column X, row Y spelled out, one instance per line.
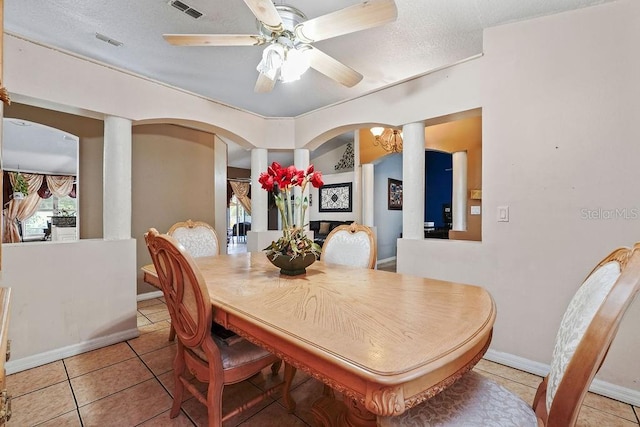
column 297, row 178
column 277, row 177
column 316, row 180
column 267, row 181
column 274, row 169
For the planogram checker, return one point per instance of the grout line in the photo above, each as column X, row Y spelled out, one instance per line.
column 73, row 393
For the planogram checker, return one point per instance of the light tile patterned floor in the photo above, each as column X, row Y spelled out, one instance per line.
column 130, row 384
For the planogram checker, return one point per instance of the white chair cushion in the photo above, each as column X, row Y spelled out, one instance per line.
column 581, row 310
column 472, row 401
column 198, row 241
column 345, row 248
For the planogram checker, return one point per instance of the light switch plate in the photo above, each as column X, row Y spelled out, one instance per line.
column 475, row 210
column 503, row 213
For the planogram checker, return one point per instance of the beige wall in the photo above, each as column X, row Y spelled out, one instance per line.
column 172, row 180
column 91, row 134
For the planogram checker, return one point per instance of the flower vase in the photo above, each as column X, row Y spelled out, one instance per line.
column 292, row 266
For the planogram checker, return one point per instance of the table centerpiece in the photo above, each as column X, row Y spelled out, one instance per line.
column 294, row 251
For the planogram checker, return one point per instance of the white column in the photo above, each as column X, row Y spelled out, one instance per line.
column 358, row 200
column 259, row 213
column 301, row 161
column 413, row 169
column 117, row 179
column 459, row 198
column 367, row 194
column 220, row 191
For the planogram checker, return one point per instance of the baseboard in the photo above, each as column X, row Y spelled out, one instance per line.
column 40, row 359
column 517, row 362
column 383, row 261
column 149, row 295
column 623, row 394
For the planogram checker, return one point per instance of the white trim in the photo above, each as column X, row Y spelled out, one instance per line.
column 517, row 362
column 623, row 394
column 149, row 295
column 40, row 359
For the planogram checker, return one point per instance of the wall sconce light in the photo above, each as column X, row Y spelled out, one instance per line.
column 389, row 139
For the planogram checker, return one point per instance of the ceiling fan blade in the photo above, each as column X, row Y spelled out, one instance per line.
column 214, row 39
column 333, row 68
column 266, row 12
column 264, row 84
column 368, row 14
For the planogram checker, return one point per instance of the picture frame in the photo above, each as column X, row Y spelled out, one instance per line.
column 335, row 198
column 394, row 194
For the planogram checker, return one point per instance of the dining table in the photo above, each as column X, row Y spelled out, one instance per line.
column 385, row 341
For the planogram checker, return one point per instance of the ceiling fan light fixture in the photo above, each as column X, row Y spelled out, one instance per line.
column 272, row 59
column 296, row 64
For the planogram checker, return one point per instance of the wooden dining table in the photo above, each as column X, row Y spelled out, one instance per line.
column 385, row 341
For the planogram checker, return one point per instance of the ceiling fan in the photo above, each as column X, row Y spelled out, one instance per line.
column 288, row 35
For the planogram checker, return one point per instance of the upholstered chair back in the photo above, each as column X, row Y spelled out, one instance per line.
column 585, row 334
column 198, row 238
column 353, row 245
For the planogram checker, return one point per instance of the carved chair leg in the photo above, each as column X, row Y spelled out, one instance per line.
column 214, row 403
column 178, row 387
column 289, row 373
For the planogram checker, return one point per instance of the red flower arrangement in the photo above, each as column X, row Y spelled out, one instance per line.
column 281, row 181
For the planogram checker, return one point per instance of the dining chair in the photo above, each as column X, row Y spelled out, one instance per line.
column 197, row 237
column 352, row 244
column 585, row 334
column 209, row 358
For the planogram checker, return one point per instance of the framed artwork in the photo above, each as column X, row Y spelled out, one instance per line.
column 335, row 198
column 394, row 197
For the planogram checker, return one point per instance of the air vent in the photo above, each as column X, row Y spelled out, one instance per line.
column 185, row 8
column 108, row 40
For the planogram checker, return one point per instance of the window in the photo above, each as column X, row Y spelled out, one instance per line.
column 38, row 227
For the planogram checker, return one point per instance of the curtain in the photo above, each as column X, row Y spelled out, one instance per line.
column 20, row 210
column 59, row 185
column 241, row 191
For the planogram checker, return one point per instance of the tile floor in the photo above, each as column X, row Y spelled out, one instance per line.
column 130, row 384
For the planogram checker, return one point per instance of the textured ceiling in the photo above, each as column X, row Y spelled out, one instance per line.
column 427, row 35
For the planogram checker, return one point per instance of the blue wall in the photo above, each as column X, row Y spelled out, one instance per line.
column 438, row 184
column 388, row 223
